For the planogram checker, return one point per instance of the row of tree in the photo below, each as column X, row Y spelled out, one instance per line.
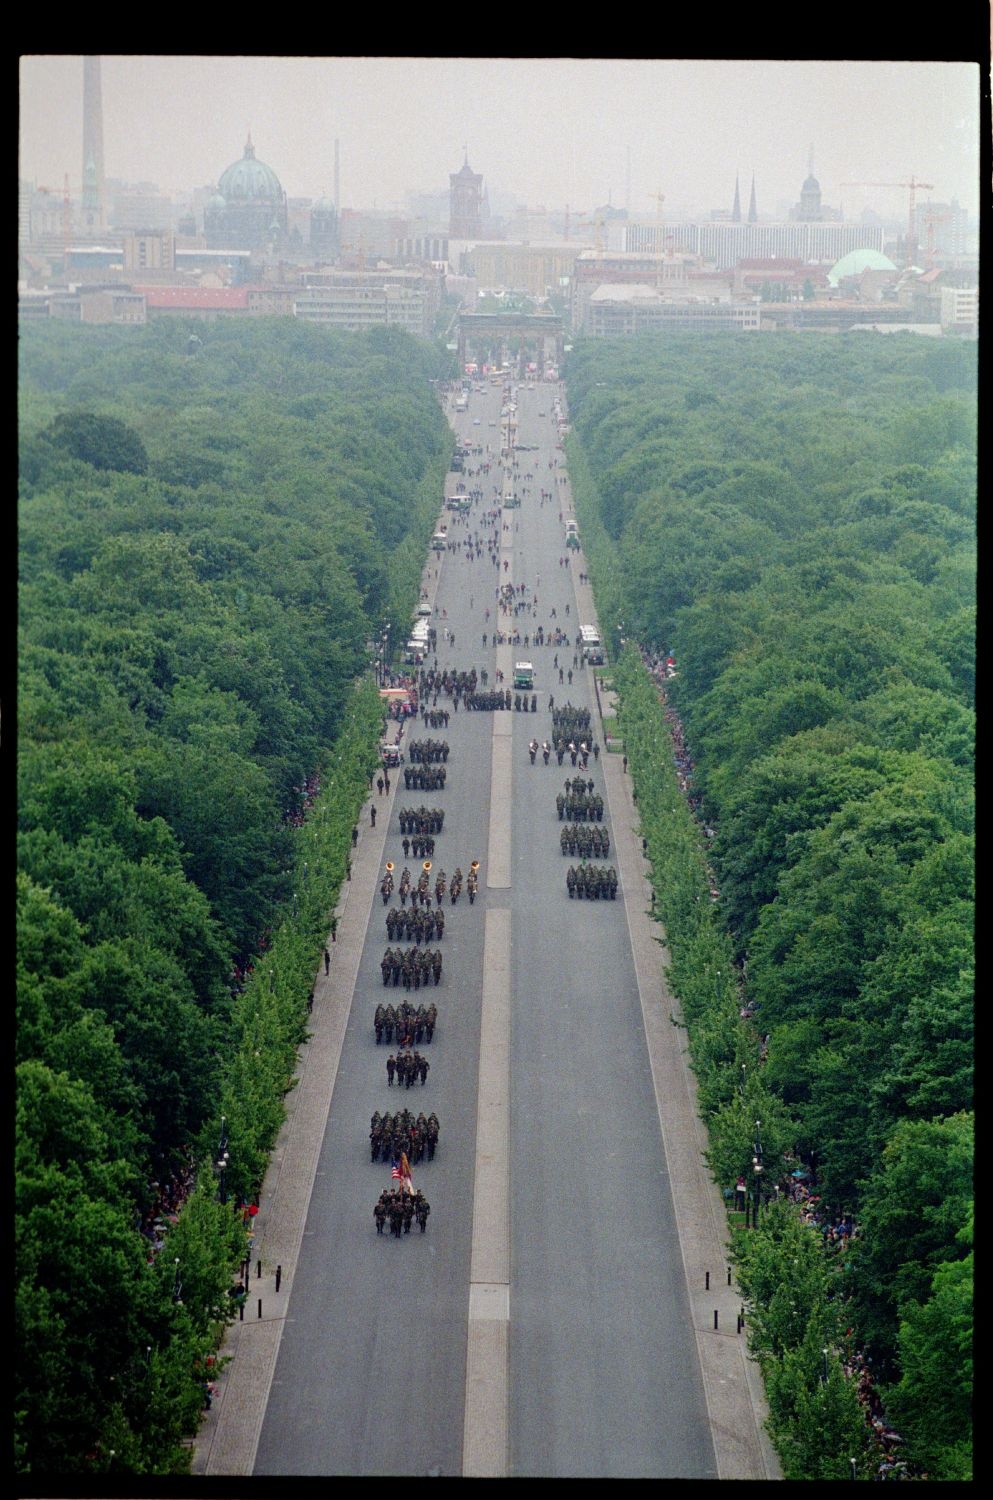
column 793, row 521
column 209, row 543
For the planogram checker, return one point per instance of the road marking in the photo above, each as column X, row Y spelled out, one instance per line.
column 485, row 1431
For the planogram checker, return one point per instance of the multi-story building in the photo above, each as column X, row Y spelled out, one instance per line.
column 149, row 250
column 725, row 244
column 118, row 304
column 354, row 300
column 960, row 310
column 622, row 310
column 532, row 268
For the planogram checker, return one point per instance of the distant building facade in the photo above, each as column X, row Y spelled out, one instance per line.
column 531, row 268
column 353, row 300
column 617, row 311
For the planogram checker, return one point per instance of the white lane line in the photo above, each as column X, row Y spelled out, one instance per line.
column 485, row 1431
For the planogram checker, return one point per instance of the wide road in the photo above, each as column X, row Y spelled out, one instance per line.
column 541, row 1037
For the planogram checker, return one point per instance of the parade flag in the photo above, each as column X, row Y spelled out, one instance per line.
column 395, row 1174
column 404, row 1174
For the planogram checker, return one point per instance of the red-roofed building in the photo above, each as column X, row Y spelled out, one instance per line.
column 194, row 301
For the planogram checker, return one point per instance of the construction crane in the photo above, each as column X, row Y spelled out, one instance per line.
column 913, row 185
column 660, row 243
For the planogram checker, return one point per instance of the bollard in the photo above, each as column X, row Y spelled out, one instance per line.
column 260, row 1307
column 241, row 1311
column 707, row 1286
column 258, row 1269
column 715, row 1319
column 729, row 1275
column 739, row 1324
column 279, row 1276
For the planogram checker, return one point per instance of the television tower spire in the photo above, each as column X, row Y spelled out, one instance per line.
column 94, row 185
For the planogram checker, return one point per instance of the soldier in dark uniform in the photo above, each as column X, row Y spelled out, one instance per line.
column 421, row 1208
column 379, row 1214
column 422, row 1067
column 408, row 1212
column 391, row 1067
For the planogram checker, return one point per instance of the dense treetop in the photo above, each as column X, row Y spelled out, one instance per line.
column 208, row 542
column 793, row 518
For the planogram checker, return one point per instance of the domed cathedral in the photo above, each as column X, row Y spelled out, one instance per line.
column 248, row 211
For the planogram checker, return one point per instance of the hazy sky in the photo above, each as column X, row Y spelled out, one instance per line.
column 545, row 131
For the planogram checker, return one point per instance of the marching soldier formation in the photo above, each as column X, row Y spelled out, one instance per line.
column 420, row 820
column 424, row 778
column 585, row 839
column 489, row 702
column 592, row 882
column 412, row 1026
column 407, row 1067
column 417, row 924
column 580, row 803
column 570, row 723
column 411, row 967
column 389, row 1135
column 401, row 1209
column 427, row 752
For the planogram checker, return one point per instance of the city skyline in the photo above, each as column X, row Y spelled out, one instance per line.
column 544, row 131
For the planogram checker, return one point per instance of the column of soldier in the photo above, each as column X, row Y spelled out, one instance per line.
column 401, row 1138
column 582, row 805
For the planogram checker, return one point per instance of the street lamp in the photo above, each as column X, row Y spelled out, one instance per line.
column 177, row 1286
column 757, row 1169
column 222, row 1166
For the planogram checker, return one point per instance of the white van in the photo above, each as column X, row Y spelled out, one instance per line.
column 592, row 646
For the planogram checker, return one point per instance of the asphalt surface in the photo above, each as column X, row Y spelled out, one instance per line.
column 553, row 1320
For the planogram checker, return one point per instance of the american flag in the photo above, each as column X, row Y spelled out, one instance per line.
column 401, row 1173
column 395, row 1174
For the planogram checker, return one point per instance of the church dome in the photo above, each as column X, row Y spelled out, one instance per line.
column 250, row 181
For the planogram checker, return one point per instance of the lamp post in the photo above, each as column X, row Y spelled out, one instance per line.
column 757, row 1169
column 177, row 1286
column 222, row 1166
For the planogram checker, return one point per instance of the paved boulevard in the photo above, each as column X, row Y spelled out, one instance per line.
column 602, row 1376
